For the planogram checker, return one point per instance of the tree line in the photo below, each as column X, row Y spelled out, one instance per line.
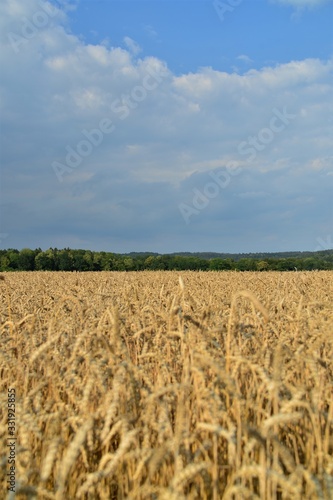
column 68, row 259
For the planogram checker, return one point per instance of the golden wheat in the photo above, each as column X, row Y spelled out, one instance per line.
column 155, row 385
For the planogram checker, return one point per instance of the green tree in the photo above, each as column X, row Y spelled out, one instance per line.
column 13, row 256
column 65, row 260
column 128, row 263
column 88, row 259
column 310, row 264
column 286, row 264
column 246, row 264
column 218, row 264
column 45, row 261
column 26, row 260
column 4, row 262
column 262, row 265
column 150, row 262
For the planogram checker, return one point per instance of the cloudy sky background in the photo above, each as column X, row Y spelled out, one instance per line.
column 180, row 89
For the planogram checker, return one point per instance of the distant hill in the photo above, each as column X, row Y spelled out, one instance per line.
column 237, row 256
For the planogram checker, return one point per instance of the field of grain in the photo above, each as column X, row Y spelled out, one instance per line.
column 153, row 385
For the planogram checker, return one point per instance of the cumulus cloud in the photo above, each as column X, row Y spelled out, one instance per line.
column 135, row 141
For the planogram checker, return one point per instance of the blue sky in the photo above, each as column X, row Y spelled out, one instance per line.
column 167, row 125
column 189, row 34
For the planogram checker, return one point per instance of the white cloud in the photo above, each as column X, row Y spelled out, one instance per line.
column 245, row 59
column 132, row 45
column 166, row 140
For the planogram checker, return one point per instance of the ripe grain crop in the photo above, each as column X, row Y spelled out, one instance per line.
column 152, row 385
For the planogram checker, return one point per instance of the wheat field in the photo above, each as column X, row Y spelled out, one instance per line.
column 155, row 385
